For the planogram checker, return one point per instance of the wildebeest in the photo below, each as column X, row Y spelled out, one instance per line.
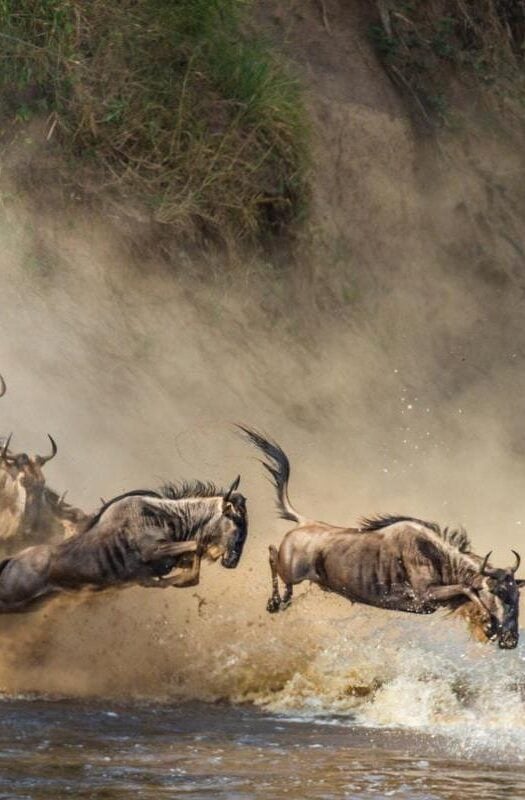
column 31, row 512
column 392, row 562
column 151, row 538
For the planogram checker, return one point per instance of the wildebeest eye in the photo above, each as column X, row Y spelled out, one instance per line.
column 502, row 591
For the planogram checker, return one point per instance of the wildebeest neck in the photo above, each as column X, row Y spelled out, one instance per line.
column 185, row 518
column 462, row 567
column 33, row 506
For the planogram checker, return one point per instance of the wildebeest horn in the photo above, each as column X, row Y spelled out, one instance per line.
column 518, row 562
column 484, row 564
column 5, row 448
column 232, row 488
column 3, row 387
column 54, row 450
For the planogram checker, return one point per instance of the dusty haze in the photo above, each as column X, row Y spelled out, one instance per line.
column 139, row 376
column 390, row 366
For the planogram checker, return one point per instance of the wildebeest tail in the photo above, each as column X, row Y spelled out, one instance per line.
column 278, row 466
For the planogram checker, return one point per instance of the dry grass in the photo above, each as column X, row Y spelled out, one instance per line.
column 177, row 103
column 434, row 50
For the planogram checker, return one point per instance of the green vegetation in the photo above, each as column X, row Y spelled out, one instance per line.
column 434, row 50
column 174, row 100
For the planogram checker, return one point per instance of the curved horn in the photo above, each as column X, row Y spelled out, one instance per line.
column 54, row 450
column 484, row 564
column 232, row 488
column 518, row 562
column 5, row 448
column 3, row 387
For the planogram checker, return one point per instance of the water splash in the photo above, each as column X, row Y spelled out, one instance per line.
column 407, row 675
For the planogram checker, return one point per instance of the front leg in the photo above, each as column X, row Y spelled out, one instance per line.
column 442, row 594
column 159, row 550
column 180, row 578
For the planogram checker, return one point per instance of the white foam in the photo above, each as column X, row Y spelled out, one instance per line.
column 429, row 677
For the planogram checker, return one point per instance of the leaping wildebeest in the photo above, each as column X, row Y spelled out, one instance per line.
column 31, row 512
column 155, row 539
column 391, row 562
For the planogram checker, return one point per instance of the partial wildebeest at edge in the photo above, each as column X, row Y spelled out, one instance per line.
column 155, row 539
column 392, row 562
column 31, row 512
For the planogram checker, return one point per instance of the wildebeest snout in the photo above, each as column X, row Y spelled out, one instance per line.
column 508, row 640
column 233, row 554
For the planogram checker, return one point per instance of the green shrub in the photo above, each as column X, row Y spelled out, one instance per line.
column 173, row 99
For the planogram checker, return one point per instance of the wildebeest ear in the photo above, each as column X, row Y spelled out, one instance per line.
column 232, row 488
column 521, row 582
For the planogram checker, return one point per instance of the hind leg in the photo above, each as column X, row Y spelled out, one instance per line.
column 287, row 596
column 274, row 603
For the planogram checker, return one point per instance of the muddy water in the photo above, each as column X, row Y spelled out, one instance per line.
column 403, row 714
column 71, row 749
column 410, row 709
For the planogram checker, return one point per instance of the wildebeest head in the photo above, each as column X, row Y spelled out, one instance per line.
column 232, row 528
column 26, row 470
column 498, row 593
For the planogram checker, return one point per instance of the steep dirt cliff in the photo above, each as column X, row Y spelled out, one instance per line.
column 384, row 347
column 426, row 224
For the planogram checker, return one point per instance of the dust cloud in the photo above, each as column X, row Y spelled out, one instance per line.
column 406, row 399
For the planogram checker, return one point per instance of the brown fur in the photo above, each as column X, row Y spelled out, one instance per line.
column 391, row 562
column 31, row 512
column 138, row 538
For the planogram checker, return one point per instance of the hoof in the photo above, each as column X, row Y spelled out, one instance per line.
column 284, row 604
column 273, row 605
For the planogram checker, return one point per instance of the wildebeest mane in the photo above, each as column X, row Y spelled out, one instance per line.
column 457, row 537
column 171, row 491
column 185, row 489
column 133, row 493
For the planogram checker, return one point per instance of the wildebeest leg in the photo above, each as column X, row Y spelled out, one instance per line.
column 30, row 606
column 287, row 596
column 159, row 550
column 179, row 578
column 24, row 578
column 274, row 603
column 445, row 593
column 186, row 577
